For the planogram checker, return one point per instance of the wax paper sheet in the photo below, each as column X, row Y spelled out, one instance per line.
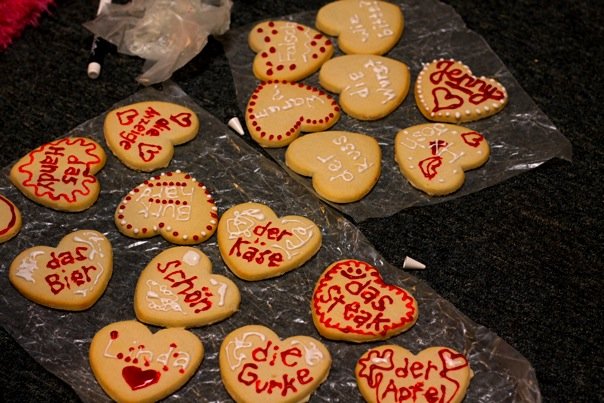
column 235, row 173
column 521, row 136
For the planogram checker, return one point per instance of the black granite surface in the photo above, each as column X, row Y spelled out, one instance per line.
column 523, row 258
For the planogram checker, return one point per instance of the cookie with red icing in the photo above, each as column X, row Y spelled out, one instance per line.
column 174, row 205
column 446, row 90
column 287, row 50
column 434, row 156
column 132, row 364
column 178, row 289
column 352, row 302
column 10, row 219
column 71, row 276
column 390, row 374
column 257, row 366
column 278, row 111
column 362, row 26
column 61, row 174
column 143, row 135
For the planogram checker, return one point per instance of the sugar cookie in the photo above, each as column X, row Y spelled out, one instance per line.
column 447, row 91
column 143, row 135
column 352, row 302
column 60, row 174
column 10, row 219
column 72, row 276
column 134, row 365
column 174, row 205
column 256, row 366
column 391, row 374
column 256, row 244
column 286, row 50
column 362, row 26
column 434, row 156
column 370, row 86
column 178, row 289
column 344, row 166
column 279, row 110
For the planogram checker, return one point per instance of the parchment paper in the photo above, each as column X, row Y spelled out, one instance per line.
column 235, row 172
column 521, row 136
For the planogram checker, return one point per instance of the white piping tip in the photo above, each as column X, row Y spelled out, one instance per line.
column 235, row 124
column 412, row 264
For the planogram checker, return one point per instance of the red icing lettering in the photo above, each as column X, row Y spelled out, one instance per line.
column 194, row 295
column 251, row 253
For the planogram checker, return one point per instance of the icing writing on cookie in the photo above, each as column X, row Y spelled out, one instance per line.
column 380, row 74
column 61, row 172
column 446, row 90
column 352, row 152
column 374, row 24
column 255, row 363
column 393, row 374
column 352, row 302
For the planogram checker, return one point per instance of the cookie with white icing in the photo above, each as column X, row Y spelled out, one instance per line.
column 446, row 90
column 71, row 276
column 257, row 244
column 370, row 86
column 344, row 166
column 143, row 135
column 177, row 289
column 174, row 205
column 287, row 50
column 132, row 364
column 391, row 373
column 257, row 366
column 362, row 26
column 434, row 156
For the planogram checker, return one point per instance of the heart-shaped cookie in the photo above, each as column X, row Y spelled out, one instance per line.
column 143, row 135
column 134, row 365
column 447, row 91
column 279, row 110
column 10, row 219
column 178, row 289
column 72, row 276
column 362, row 26
column 390, row 373
column 286, row 50
column 256, row 366
column 352, row 302
column 344, row 166
column 370, row 87
column 174, row 205
column 256, row 244
column 60, row 174
column 434, row 156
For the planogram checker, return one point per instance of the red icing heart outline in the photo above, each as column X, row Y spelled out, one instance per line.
column 147, row 152
column 473, row 139
column 334, row 325
column 455, row 101
column 266, row 135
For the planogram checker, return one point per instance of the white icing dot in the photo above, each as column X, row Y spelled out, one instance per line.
column 214, row 208
column 191, row 257
column 136, row 231
column 212, row 221
column 168, row 228
column 203, row 233
column 178, row 171
column 123, row 222
column 457, row 115
column 185, row 237
column 468, row 111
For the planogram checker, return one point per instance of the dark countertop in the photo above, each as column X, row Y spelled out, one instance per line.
column 523, row 258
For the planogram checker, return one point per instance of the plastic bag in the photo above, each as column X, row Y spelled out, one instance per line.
column 166, row 33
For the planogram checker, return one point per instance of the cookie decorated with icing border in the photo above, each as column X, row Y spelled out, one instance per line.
column 446, row 90
column 344, row 166
column 257, row 244
column 174, row 205
column 61, row 174
column 362, row 26
column 71, row 276
column 390, row 374
column 257, row 366
column 132, row 364
column 370, row 87
column 278, row 111
column 143, row 135
column 352, row 302
column 10, row 219
column 434, row 156
column 287, row 50
column 177, row 289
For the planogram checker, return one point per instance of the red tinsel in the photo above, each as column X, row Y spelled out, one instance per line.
column 15, row 15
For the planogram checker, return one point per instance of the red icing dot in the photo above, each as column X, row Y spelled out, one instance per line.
column 259, row 30
column 271, row 24
column 267, row 39
column 292, row 66
column 114, row 334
